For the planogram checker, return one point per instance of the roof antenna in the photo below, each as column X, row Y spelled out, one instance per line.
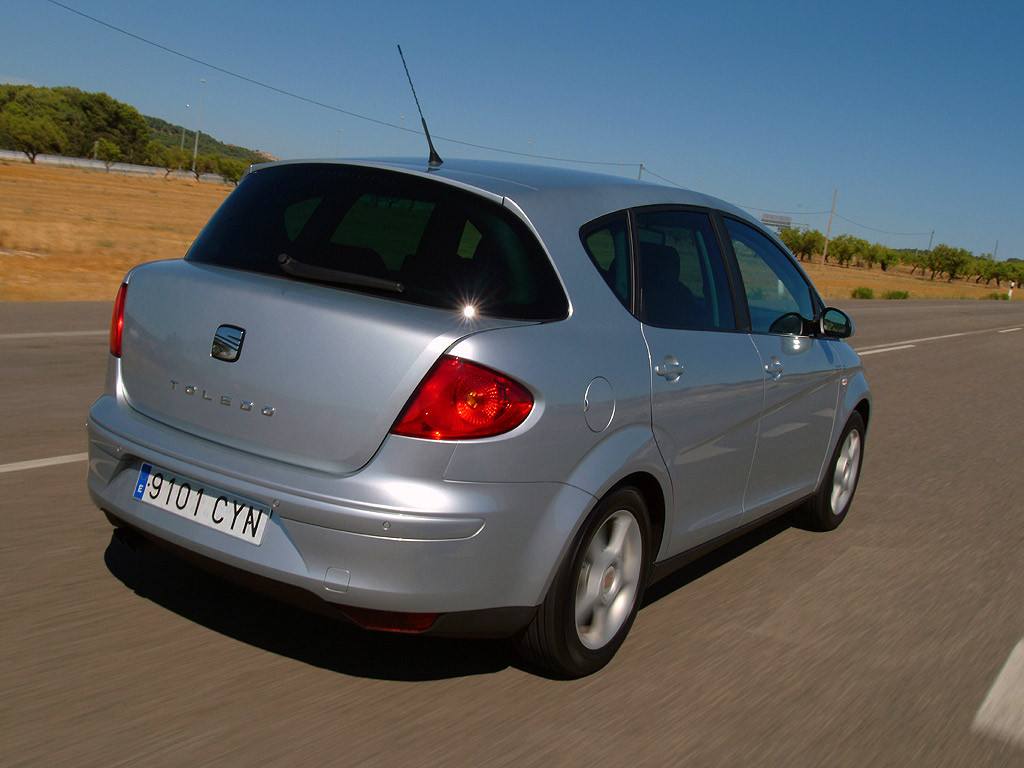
column 435, row 159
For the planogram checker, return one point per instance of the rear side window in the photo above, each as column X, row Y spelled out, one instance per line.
column 607, row 244
column 384, row 233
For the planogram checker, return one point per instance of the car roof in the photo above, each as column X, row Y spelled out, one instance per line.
column 537, row 189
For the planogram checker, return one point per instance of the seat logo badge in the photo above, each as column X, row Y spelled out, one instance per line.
column 227, row 343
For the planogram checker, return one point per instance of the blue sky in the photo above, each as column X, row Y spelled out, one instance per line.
column 914, row 110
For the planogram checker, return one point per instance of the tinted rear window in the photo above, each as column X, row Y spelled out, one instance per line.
column 446, row 248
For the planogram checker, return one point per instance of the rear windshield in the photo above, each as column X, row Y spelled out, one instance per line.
column 389, row 234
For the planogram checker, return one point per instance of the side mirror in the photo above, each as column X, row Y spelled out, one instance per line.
column 792, row 324
column 835, row 323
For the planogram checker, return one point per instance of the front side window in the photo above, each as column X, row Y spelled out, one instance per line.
column 776, row 290
column 384, row 233
column 683, row 282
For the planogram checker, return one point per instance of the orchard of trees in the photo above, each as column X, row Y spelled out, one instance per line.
column 941, row 261
column 71, row 122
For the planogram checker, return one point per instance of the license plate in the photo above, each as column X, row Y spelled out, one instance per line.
column 204, row 504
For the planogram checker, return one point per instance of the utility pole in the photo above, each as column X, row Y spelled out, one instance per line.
column 640, row 172
column 828, row 232
column 195, row 149
column 996, row 250
column 930, row 240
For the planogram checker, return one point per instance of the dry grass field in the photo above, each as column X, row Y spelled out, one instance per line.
column 71, row 234
column 837, row 282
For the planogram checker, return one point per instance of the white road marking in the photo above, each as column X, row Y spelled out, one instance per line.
column 18, row 466
column 1002, row 713
column 928, row 338
column 52, row 335
column 1009, row 330
column 886, row 349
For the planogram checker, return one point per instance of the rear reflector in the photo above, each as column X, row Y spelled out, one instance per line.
column 458, row 400
column 117, row 321
column 391, row 621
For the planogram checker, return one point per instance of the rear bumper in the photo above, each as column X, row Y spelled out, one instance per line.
column 481, row 554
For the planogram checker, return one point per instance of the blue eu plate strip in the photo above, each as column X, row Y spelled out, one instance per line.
column 140, row 486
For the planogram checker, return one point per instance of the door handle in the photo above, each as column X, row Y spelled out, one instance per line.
column 774, row 368
column 670, row 368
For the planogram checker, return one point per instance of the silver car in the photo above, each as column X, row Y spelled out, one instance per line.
column 475, row 399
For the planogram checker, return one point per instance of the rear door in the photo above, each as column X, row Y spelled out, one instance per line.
column 706, row 380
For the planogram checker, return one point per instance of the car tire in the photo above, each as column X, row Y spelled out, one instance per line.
column 596, row 593
column 826, row 510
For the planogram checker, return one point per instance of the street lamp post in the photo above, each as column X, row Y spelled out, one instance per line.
column 199, row 117
column 184, row 117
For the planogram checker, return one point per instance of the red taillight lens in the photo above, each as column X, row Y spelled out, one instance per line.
column 117, row 321
column 391, row 621
column 459, row 401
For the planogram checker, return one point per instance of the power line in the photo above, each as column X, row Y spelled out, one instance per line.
column 838, row 216
column 669, row 181
column 772, row 210
column 317, row 103
column 883, row 231
column 460, row 142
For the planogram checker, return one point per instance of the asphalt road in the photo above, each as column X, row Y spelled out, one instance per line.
column 896, row 640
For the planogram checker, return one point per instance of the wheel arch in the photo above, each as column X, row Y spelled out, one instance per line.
column 650, row 490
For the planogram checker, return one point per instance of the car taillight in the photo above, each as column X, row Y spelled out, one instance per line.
column 117, row 321
column 459, row 401
column 391, row 621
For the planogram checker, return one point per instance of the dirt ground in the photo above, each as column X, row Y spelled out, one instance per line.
column 70, row 234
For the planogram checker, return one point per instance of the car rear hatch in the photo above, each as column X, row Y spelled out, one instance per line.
column 320, row 376
column 314, row 303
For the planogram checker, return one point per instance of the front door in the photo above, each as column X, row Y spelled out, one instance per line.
column 801, row 373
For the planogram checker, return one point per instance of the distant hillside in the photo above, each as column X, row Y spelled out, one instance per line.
column 169, row 135
column 69, row 121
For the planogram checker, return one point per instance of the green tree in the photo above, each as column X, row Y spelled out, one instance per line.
column 1015, row 270
column 230, row 169
column 862, row 250
column 204, row 164
column 803, row 243
column 174, row 159
column 886, row 257
column 843, row 249
column 949, row 260
column 33, row 135
column 916, row 259
column 791, row 239
column 108, row 152
column 81, row 118
column 154, row 153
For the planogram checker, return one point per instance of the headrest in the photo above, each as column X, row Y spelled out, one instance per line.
column 659, row 264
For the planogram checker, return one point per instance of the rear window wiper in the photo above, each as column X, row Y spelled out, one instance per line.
column 339, row 277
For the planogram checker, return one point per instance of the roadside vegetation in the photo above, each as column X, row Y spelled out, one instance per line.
column 954, row 266
column 74, row 123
